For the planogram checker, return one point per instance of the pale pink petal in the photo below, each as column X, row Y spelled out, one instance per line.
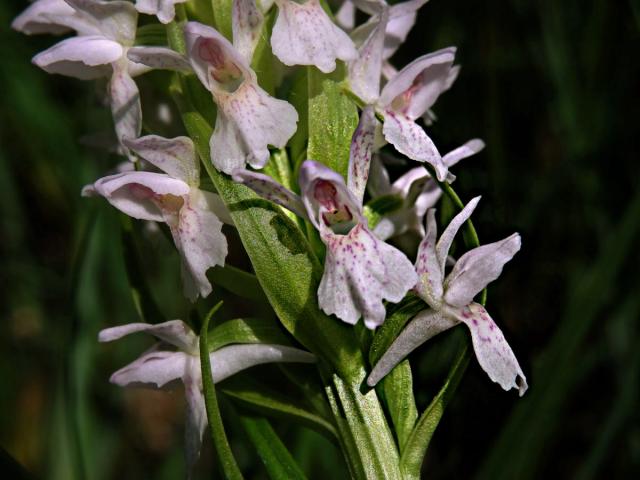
column 86, row 58
column 430, row 273
column 492, row 350
column 446, row 239
column 411, row 140
column 417, row 86
column 175, row 156
column 402, row 17
column 422, row 327
column 360, row 153
column 196, row 414
column 268, row 188
column 165, row 10
column 232, row 359
column 137, row 193
column 360, row 272
column 117, row 20
column 159, row 58
column 365, row 71
column 477, row 268
column 468, row 149
column 174, row 332
column 379, row 183
column 202, row 245
column 304, row 35
column 218, row 207
column 156, row 368
column 346, row 15
column 124, row 98
column 247, row 20
column 52, row 16
column 248, row 121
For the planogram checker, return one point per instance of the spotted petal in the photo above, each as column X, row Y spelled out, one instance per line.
column 430, row 272
column 477, row 268
column 304, row 35
column 247, row 20
column 492, row 350
column 174, row 156
column 360, row 153
column 360, row 271
column 124, row 98
column 159, row 58
column 422, row 327
column 52, row 16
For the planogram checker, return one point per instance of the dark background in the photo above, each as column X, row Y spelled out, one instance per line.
column 553, row 87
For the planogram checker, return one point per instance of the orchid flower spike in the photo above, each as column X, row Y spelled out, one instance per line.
column 360, row 270
column 406, row 96
column 106, row 33
column 417, row 190
column 248, row 118
column 451, row 302
column 193, row 215
column 165, row 10
column 305, row 35
column 162, row 366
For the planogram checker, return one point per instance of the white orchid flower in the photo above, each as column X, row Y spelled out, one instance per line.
column 173, row 197
column 106, row 33
column 162, row 366
column 417, row 190
column 360, row 270
column 405, row 97
column 248, row 118
column 451, row 302
column 305, row 35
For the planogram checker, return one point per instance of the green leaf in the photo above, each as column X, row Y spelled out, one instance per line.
column 222, row 17
column 397, row 388
column 246, row 330
column 277, row 460
column 381, row 206
column 284, row 264
column 264, row 63
column 267, row 401
column 397, row 317
column 151, row 34
column 298, row 98
column 237, row 281
column 218, row 435
column 418, row 441
column 332, row 118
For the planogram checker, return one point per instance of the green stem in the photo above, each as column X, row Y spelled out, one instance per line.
column 216, row 427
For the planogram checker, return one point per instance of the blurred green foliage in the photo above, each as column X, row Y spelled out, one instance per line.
column 553, row 89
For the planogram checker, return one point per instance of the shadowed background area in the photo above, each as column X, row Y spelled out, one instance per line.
column 552, row 87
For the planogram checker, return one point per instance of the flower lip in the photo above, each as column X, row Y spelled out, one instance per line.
column 223, row 71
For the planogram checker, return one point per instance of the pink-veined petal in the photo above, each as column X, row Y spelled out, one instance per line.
column 136, row 193
column 468, row 149
column 365, row 71
column 232, row 359
column 174, row 332
column 251, row 120
column 175, row 156
column 247, row 20
column 165, row 10
column 477, row 268
column 360, row 153
column 446, row 239
column 159, row 58
column 360, row 272
column 86, row 58
column 305, row 35
column 117, row 20
column 411, row 140
column 430, row 273
column 124, row 98
column 416, row 87
column 202, row 245
column 156, row 368
column 492, row 350
column 422, row 327
column 196, row 414
column 269, row 189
